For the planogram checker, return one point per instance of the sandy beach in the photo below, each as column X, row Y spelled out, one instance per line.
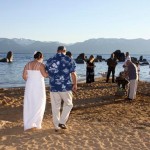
column 100, row 120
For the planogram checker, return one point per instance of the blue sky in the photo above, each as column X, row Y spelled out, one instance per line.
column 71, row 21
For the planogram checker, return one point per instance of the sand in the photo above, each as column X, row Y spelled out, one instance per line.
column 100, row 120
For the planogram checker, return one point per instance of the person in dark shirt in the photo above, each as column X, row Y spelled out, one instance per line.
column 90, row 70
column 111, row 62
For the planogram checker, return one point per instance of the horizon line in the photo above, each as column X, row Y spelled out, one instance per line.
column 72, row 42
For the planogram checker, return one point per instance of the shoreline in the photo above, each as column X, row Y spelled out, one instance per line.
column 98, row 120
column 81, row 81
column 7, row 92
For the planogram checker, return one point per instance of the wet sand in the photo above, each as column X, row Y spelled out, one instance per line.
column 100, row 120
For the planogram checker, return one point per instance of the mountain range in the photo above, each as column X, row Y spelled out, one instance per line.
column 91, row 46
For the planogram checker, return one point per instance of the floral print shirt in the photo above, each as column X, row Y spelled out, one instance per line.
column 59, row 68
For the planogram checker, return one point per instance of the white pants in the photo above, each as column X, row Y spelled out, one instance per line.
column 132, row 89
column 56, row 98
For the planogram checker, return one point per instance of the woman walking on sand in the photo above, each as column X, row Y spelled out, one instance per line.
column 35, row 95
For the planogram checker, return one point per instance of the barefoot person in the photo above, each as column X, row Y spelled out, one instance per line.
column 63, row 81
column 35, row 96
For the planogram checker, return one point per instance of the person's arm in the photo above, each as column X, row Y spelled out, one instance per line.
column 43, row 71
column 24, row 75
column 74, row 80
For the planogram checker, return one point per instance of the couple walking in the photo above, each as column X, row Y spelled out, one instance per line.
column 62, row 79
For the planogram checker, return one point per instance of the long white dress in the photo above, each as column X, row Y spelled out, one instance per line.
column 34, row 100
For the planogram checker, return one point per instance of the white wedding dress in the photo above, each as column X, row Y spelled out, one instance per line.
column 34, row 100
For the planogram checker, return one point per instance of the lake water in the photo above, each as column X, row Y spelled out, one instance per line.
column 11, row 73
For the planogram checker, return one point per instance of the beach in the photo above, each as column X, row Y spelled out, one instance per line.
column 99, row 120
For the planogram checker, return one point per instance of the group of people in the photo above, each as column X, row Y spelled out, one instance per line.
column 62, row 80
column 131, row 72
column 61, row 71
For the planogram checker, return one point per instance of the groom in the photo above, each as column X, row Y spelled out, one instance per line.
column 62, row 80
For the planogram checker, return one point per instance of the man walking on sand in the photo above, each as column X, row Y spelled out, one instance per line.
column 62, row 80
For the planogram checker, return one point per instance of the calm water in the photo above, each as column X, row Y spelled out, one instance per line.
column 11, row 74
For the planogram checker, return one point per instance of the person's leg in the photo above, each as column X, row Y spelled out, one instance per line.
column 123, row 84
column 56, row 104
column 93, row 80
column 67, row 106
column 132, row 87
column 135, row 88
column 88, row 77
column 113, row 75
column 108, row 74
column 92, row 76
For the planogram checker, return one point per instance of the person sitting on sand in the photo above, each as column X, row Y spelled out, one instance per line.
column 122, row 81
column 35, row 94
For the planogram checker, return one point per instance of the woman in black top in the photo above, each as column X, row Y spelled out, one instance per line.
column 90, row 70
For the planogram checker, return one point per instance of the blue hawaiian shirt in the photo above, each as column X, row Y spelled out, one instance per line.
column 59, row 68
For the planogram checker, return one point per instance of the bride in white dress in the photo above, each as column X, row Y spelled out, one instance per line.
column 35, row 94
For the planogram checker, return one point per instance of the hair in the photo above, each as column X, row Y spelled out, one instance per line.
column 61, row 48
column 38, row 55
column 91, row 57
column 9, row 54
column 68, row 53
